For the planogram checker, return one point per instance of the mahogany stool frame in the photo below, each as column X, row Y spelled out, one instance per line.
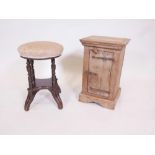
column 36, row 85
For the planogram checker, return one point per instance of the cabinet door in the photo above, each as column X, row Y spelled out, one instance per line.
column 99, row 76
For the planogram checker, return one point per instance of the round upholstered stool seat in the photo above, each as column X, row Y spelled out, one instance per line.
column 40, row 50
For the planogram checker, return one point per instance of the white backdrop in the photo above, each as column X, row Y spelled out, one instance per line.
column 135, row 109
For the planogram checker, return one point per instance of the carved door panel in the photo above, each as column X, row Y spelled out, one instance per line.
column 99, row 76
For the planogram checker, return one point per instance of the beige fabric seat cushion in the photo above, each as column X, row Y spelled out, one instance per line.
column 40, row 50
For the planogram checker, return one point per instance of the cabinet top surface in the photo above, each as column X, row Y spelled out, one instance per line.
column 104, row 39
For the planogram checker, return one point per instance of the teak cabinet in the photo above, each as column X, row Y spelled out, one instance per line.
column 102, row 64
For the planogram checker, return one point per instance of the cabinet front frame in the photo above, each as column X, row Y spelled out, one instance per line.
column 114, row 71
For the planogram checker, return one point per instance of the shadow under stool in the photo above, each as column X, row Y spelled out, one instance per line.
column 41, row 50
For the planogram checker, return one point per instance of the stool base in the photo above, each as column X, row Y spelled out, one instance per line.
column 36, row 85
column 43, row 84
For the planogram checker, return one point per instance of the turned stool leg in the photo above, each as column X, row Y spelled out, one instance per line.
column 31, row 81
column 29, row 99
column 55, row 87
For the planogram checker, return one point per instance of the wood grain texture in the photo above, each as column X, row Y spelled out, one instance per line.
column 104, row 40
column 100, row 72
column 103, row 60
column 110, row 104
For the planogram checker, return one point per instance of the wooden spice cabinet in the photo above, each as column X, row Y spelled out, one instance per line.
column 102, row 64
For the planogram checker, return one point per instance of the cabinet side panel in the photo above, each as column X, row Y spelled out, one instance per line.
column 119, row 70
column 85, row 70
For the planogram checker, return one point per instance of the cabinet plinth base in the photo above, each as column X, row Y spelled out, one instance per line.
column 110, row 104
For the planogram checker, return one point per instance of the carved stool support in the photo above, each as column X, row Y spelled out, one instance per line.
column 37, row 84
